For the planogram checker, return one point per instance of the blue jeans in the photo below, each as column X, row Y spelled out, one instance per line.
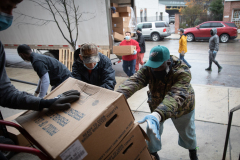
column 185, row 126
column 129, row 67
column 182, row 58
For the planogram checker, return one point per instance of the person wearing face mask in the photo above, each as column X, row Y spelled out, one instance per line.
column 183, row 46
column 141, row 43
column 213, row 49
column 49, row 70
column 129, row 61
column 93, row 67
column 170, row 95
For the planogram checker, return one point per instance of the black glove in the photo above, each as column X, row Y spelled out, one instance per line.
column 61, row 102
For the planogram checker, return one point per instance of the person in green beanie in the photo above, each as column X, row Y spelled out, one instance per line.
column 170, row 95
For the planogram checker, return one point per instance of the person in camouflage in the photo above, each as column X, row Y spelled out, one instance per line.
column 170, row 95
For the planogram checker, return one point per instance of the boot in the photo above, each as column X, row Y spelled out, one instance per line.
column 219, row 69
column 155, row 155
column 208, row 69
column 193, row 154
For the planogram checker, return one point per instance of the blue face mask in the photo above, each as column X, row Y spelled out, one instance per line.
column 127, row 37
column 91, row 68
column 5, row 21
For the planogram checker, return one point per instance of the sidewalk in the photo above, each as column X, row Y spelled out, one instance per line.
column 211, row 118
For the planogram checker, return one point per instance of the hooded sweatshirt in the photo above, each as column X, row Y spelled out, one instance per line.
column 214, row 40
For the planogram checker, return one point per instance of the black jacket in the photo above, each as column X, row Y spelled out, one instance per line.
column 103, row 75
column 141, row 42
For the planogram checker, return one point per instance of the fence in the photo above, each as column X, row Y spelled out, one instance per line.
column 186, row 21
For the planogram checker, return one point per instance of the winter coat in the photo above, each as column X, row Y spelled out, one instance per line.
column 214, row 41
column 103, row 75
column 171, row 99
column 182, row 44
column 141, row 42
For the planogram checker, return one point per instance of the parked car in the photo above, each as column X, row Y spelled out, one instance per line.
column 225, row 31
column 154, row 30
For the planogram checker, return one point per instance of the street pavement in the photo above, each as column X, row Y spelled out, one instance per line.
column 216, row 94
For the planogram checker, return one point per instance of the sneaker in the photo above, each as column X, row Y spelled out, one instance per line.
column 208, row 69
column 155, row 155
column 193, row 154
column 219, row 69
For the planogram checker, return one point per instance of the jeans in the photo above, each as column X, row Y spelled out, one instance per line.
column 129, row 67
column 185, row 126
column 182, row 58
column 212, row 57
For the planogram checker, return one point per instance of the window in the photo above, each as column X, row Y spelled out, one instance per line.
column 231, row 25
column 205, row 25
column 145, row 14
column 215, row 24
column 147, row 25
column 156, row 16
column 159, row 24
column 161, row 16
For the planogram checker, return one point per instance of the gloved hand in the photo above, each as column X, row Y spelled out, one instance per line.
column 61, row 102
column 134, row 52
column 153, row 123
column 214, row 52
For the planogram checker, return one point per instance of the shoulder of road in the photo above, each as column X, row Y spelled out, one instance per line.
column 177, row 36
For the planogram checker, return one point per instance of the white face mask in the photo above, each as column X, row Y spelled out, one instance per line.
column 167, row 69
column 27, row 61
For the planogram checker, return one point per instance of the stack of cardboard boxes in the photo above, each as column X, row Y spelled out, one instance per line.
column 99, row 126
column 121, row 22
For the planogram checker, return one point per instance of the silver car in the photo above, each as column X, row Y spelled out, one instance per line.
column 154, row 30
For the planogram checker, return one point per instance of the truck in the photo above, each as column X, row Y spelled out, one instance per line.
column 35, row 25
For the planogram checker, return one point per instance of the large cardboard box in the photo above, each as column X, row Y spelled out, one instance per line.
column 132, row 147
column 123, row 9
column 123, row 50
column 114, row 4
column 14, row 134
column 123, row 30
column 115, row 14
column 120, row 22
column 118, row 37
column 125, row 14
column 90, row 129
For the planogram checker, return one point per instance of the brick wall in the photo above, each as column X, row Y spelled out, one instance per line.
column 176, row 23
column 228, row 8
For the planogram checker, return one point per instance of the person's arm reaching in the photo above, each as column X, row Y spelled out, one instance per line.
column 134, row 83
column 37, row 89
column 44, row 85
column 137, row 47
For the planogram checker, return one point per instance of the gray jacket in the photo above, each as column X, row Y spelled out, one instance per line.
column 214, row 40
column 9, row 96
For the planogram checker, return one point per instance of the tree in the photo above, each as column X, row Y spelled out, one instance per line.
column 65, row 11
column 193, row 9
column 216, row 9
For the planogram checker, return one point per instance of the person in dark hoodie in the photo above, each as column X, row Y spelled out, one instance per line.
column 213, row 49
column 183, row 47
column 93, row 67
column 140, row 55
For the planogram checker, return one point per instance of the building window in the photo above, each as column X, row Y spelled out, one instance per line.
column 160, row 16
column 156, row 16
column 236, row 17
column 141, row 16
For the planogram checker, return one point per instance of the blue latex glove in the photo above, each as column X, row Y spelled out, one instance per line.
column 214, row 52
column 134, row 52
column 152, row 123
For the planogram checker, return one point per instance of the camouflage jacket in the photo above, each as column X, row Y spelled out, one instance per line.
column 171, row 99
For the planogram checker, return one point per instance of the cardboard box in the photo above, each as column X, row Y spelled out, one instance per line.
column 123, row 50
column 114, row 4
column 120, row 22
column 90, row 129
column 132, row 147
column 115, row 14
column 123, row 30
column 14, row 134
column 125, row 14
column 105, row 52
column 118, row 37
column 123, row 9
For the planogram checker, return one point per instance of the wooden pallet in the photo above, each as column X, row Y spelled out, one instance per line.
column 66, row 57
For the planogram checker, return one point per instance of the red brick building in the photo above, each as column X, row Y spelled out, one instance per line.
column 231, row 12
